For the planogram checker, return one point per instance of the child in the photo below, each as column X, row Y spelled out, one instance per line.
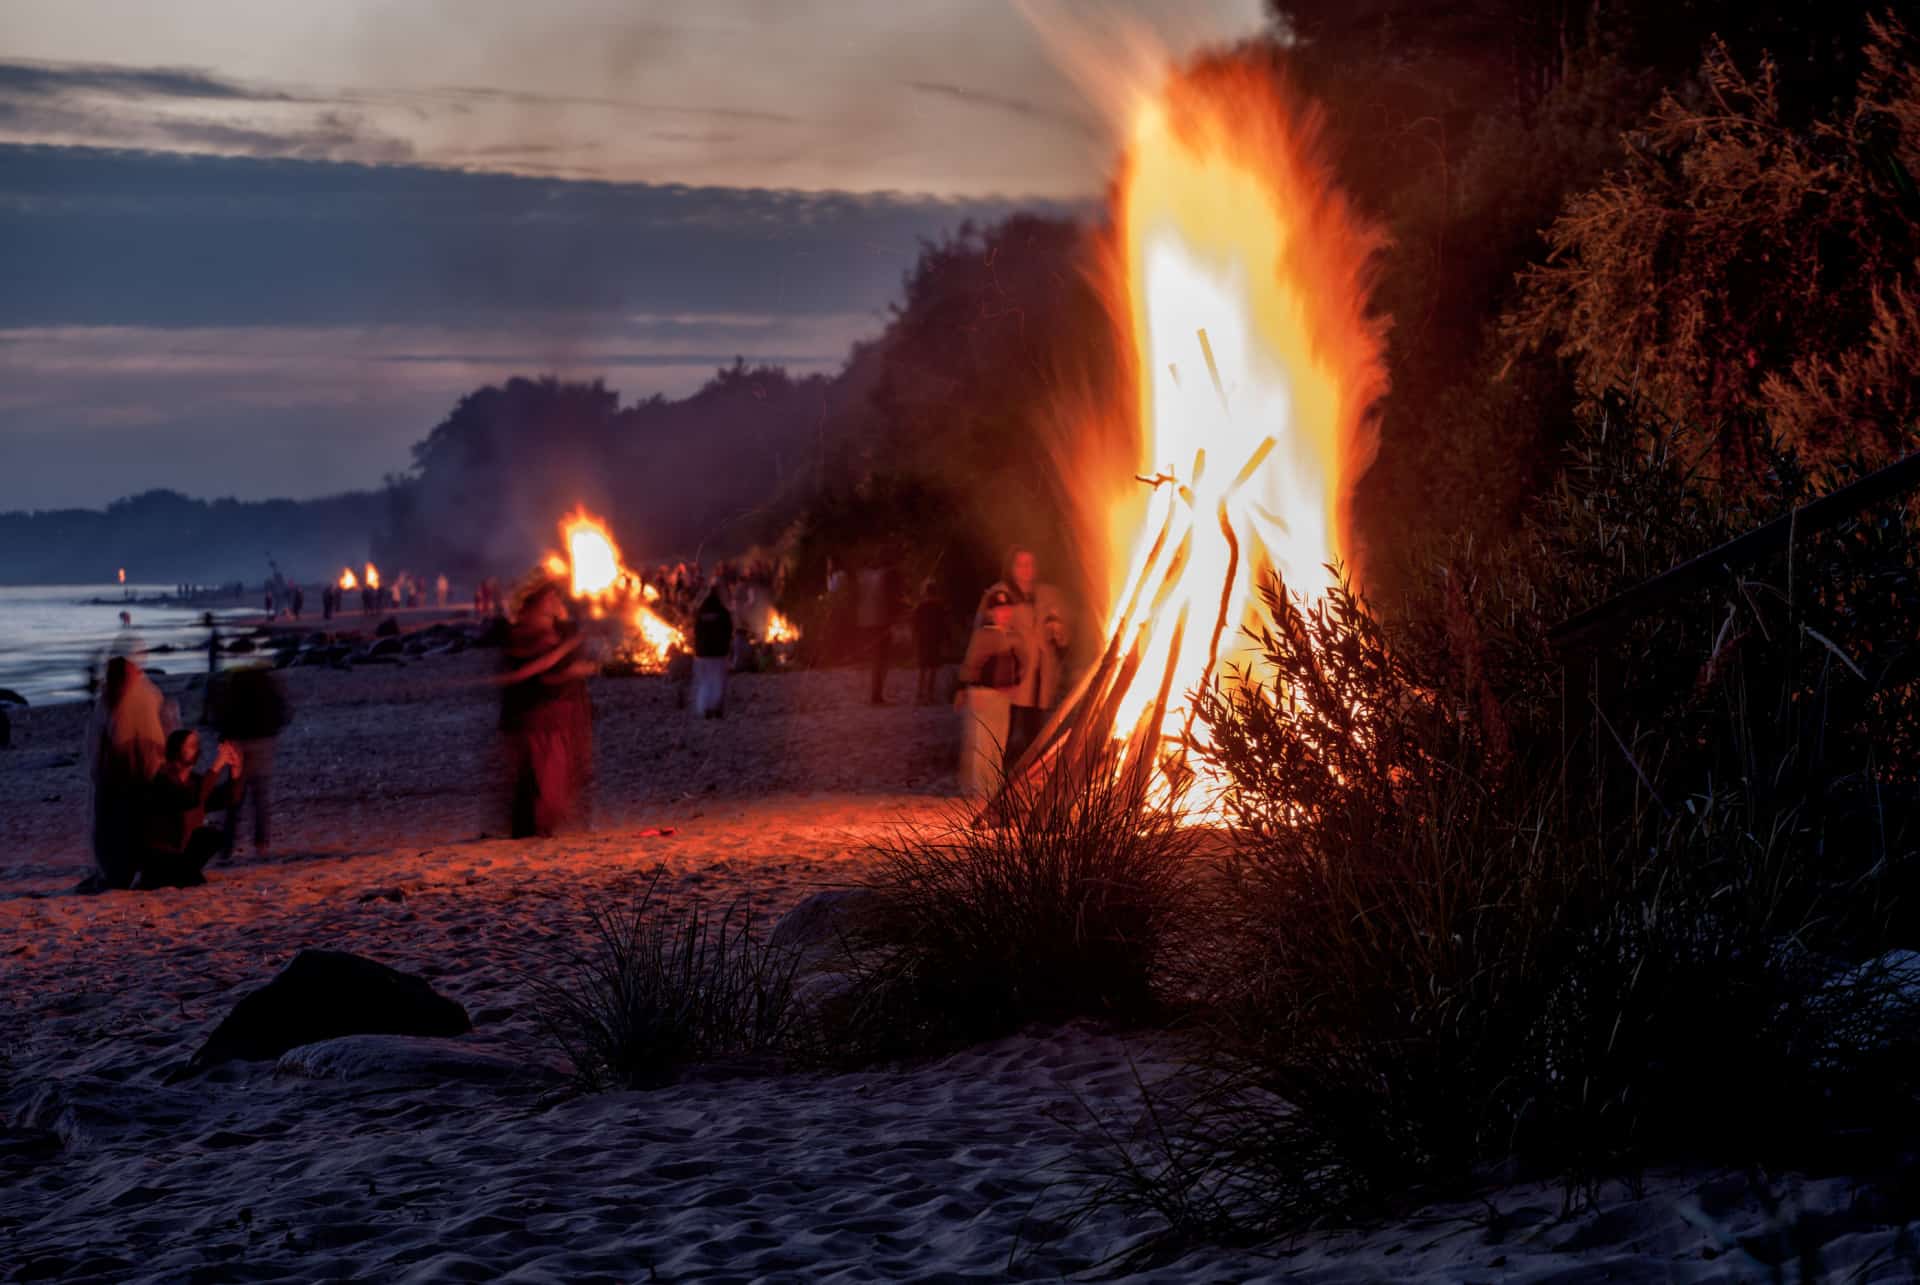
column 989, row 676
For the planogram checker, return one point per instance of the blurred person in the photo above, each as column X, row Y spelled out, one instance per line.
column 990, row 677
column 177, row 842
column 929, row 639
column 877, row 595
column 547, row 716
column 712, row 652
column 249, row 709
column 126, row 743
column 1041, row 627
column 440, row 590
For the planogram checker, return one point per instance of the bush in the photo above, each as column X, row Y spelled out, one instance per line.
column 662, row 988
column 1074, row 907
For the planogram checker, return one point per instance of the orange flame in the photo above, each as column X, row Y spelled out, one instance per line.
column 123, row 575
column 780, row 629
column 598, row 575
column 347, row 580
column 592, row 556
column 373, row 576
column 1239, row 275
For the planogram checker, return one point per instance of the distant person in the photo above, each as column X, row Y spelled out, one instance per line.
column 990, row 678
column 712, row 650
column 1040, row 625
column 930, row 628
column 126, row 744
column 743, row 660
column 299, row 601
column 440, row 590
column 177, row 841
column 878, row 597
column 547, row 716
column 250, row 710
column 272, row 614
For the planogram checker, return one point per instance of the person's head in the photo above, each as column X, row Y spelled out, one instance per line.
column 544, row 607
column 126, row 619
column 1023, row 569
column 1000, row 609
column 183, row 748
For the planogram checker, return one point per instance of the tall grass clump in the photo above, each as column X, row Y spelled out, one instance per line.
column 1069, row 905
column 661, row 987
column 1468, row 931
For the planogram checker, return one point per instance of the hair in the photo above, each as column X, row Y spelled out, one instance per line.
column 1013, row 555
column 177, row 741
column 119, row 675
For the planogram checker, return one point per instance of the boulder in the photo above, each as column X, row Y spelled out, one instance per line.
column 385, row 646
column 325, row 994
column 407, row 1057
column 388, row 628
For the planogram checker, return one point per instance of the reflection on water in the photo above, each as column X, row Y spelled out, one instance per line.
column 50, row 633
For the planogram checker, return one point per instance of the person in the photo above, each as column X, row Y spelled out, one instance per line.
column 440, row 590
column 929, row 638
column 249, row 710
column 712, row 651
column 178, row 842
column 1040, row 625
column 299, row 600
column 743, row 660
column 878, row 594
column 126, row 743
column 547, row 716
column 990, row 676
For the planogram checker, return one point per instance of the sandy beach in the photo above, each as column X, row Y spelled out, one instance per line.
column 471, row 1159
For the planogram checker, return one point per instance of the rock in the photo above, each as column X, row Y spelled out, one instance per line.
column 388, row 628
column 385, row 645
column 240, row 647
column 410, row 1057
column 818, row 925
column 10, row 697
column 325, row 994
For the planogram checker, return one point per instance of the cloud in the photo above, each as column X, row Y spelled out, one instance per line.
column 34, row 79
column 1005, row 103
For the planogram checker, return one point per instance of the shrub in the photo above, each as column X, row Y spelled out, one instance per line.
column 1072, row 907
column 662, row 987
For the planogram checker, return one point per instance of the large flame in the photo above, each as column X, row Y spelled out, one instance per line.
column 592, row 557
column 780, row 629
column 348, row 581
column 599, row 578
column 1240, row 275
column 373, row 576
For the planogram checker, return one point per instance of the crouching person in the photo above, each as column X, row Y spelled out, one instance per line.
column 179, row 843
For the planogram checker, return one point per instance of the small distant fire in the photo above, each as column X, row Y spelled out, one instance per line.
column 373, row 576
column 780, row 629
column 123, row 575
column 597, row 577
column 348, row 581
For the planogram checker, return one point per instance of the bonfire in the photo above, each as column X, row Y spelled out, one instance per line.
column 599, row 581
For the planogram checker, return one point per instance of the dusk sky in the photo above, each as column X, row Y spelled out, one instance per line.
column 259, row 248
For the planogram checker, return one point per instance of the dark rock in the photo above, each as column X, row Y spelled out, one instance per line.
column 821, row 923
column 240, row 647
column 10, row 697
column 403, row 1057
column 322, row 995
column 388, row 628
column 385, row 646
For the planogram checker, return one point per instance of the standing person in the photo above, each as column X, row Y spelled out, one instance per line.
column 126, row 743
column 548, row 716
column 878, row 595
column 177, row 841
column 929, row 638
column 440, row 590
column 712, row 654
column 989, row 679
column 298, row 601
column 1040, row 625
column 250, row 711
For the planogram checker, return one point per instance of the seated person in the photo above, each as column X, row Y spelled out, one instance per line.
column 179, row 843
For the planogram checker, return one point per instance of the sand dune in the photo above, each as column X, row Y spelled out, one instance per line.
column 386, row 1159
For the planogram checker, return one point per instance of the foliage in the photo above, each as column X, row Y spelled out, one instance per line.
column 1071, row 905
column 662, row 987
column 1746, row 268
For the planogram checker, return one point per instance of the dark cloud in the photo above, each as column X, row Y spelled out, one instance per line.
column 1025, row 107
column 95, row 237
column 23, row 80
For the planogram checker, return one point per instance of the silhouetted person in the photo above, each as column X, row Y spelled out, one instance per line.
column 929, row 639
column 712, row 653
column 878, row 597
column 547, row 716
column 178, row 842
column 250, row 710
column 126, row 744
column 299, row 601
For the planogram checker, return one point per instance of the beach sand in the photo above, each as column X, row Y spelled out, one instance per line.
column 470, row 1159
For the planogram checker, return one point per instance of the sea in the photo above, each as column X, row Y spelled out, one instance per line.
column 50, row 634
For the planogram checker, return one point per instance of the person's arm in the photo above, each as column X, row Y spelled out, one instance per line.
column 540, row 664
column 979, row 648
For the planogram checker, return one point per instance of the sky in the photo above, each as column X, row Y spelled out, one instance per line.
column 259, row 248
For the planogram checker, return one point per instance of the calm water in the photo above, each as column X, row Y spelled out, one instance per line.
column 49, row 634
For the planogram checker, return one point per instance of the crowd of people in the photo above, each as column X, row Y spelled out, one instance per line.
column 159, row 816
